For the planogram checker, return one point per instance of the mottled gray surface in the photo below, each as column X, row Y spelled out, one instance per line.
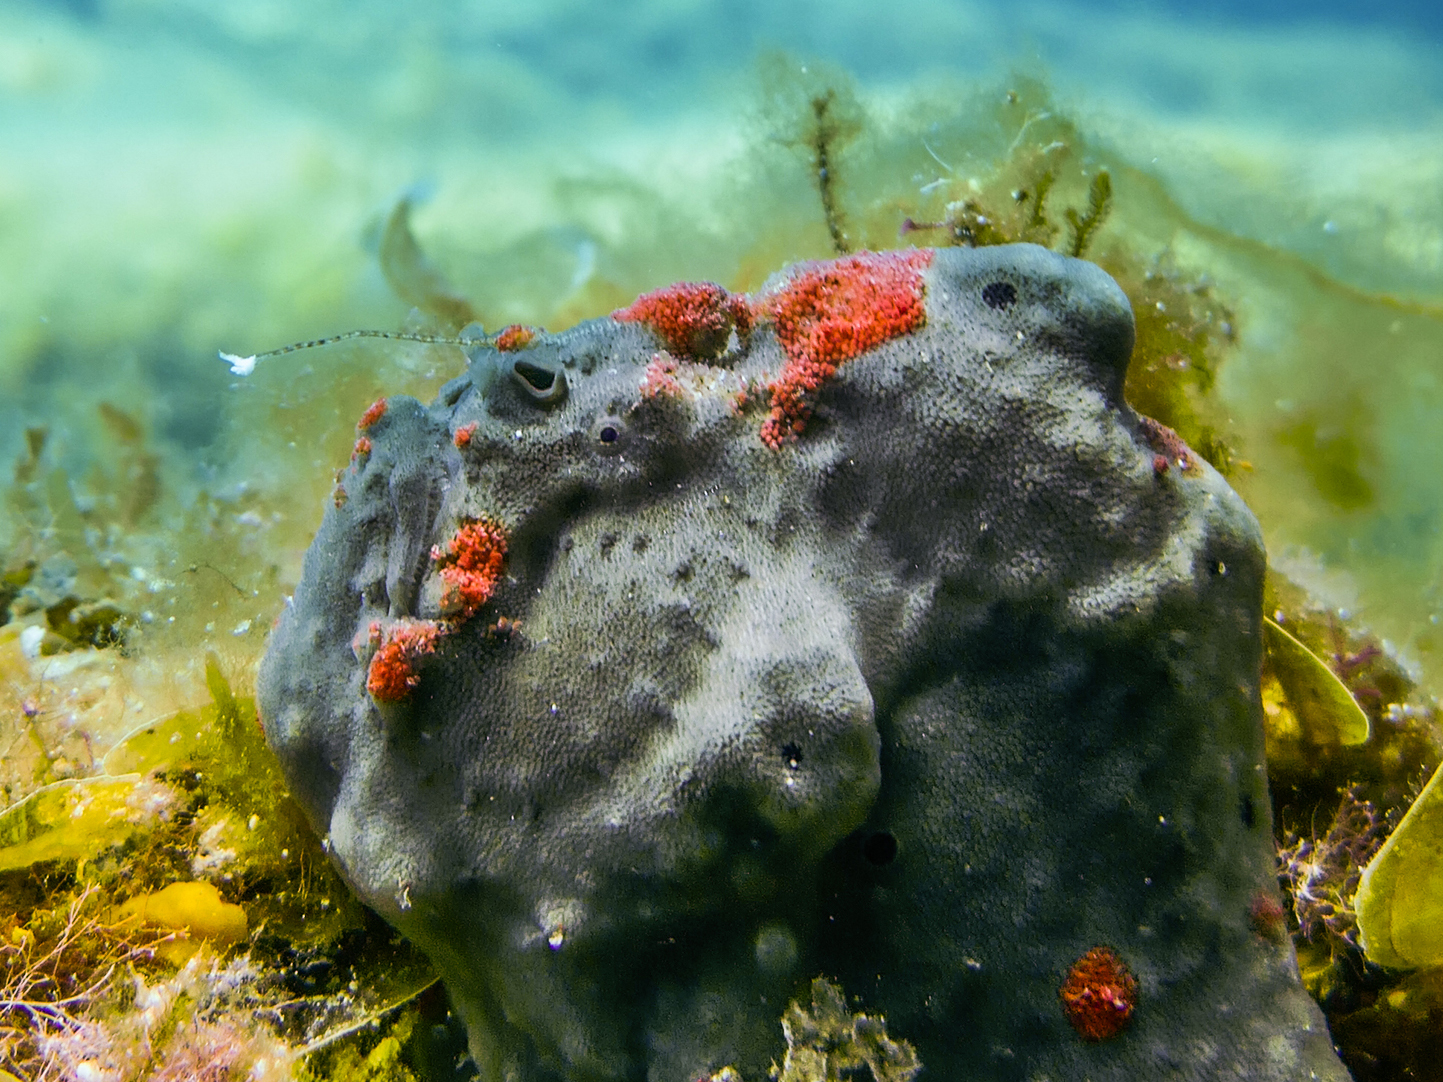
column 964, row 610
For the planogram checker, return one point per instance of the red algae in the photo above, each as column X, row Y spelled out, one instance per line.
column 517, row 336
column 471, row 566
column 660, row 380
column 1168, row 447
column 392, row 674
column 374, row 412
column 462, row 437
column 694, row 319
column 1099, row 995
column 832, row 312
column 361, row 449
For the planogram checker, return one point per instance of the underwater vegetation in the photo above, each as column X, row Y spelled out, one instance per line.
column 116, row 569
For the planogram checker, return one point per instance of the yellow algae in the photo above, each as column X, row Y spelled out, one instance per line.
column 1322, row 703
column 78, row 818
column 194, row 908
column 1400, row 899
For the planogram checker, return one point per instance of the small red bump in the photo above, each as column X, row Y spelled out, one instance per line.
column 1099, row 995
column 471, row 566
column 694, row 319
column 463, row 435
column 1167, row 446
column 362, row 448
column 1267, row 916
column 517, row 336
column 392, row 674
column 374, row 412
column 831, row 312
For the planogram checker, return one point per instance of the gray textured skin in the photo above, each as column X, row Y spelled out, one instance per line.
column 962, row 609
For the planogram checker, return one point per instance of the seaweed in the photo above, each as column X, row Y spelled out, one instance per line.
column 1083, row 226
column 1038, row 222
column 827, row 135
column 188, row 839
column 56, row 962
column 136, row 483
column 1184, row 334
column 813, row 106
column 1184, row 331
column 1360, row 791
column 414, row 278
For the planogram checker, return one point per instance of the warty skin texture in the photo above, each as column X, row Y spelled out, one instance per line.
column 934, row 699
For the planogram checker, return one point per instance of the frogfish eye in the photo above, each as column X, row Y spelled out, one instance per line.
column 609, row 434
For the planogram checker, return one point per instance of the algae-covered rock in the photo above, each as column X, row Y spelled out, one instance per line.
column 868, row 632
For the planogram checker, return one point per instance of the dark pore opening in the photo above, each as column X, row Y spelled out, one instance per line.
column 1000, row 295
column 880, row 848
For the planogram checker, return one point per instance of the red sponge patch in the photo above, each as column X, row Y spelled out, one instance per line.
column 517, row 336
column 374, row 412
column 693, row 319
column 1099, row 995
column 471, row 566
column 392, row 674
column 832, row 312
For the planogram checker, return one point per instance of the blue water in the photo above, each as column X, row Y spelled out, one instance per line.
column 187, row 176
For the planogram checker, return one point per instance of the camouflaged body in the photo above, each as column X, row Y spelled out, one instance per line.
column 956, row 687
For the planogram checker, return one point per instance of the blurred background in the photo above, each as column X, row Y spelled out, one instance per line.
column 179, row 177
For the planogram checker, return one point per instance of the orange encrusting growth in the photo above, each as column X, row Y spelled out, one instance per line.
column 392, row 674
column 361, row 449
column 660, row 380
column 693, row 319
column 1099, row 995
column 374, row 412
column 462, row 437
column 517, row 336
column 831, row 312
column 471, row 566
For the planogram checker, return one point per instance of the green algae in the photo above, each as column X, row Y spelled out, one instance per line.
column 1082, row 226
column 827, row 1042
column 813, row 106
